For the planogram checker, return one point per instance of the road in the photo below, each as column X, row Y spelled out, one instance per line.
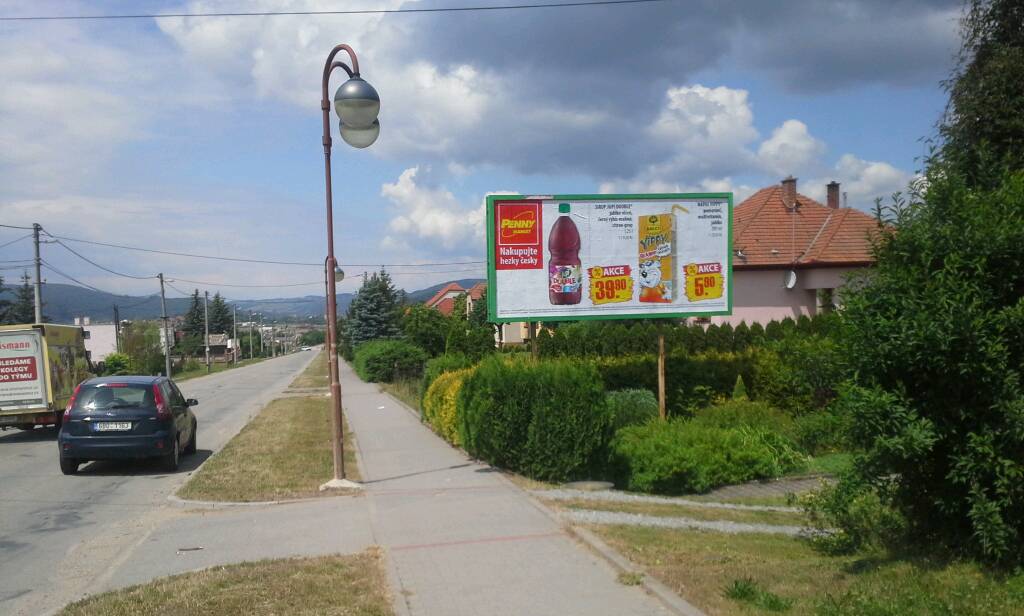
column 60, row 537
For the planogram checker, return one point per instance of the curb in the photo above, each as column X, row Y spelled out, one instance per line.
column 201, row 504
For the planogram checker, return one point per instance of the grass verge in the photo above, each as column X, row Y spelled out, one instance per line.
column 314, row 376
column 215, row 367
column 830, row 464
column 406, row 390
column 756, row 574
column 665, row 510
column 284, row 453
column 337, row 585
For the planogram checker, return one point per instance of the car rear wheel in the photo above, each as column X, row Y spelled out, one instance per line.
column 69, row 466
column 190, row 447
column 170, row 460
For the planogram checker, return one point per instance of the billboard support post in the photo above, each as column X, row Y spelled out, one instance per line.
column 661, row 375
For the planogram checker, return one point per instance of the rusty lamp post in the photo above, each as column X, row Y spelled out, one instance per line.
column 357, row 105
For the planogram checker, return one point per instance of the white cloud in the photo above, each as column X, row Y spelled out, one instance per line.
column 790, row 148
column 432, row 214
column 862, row 181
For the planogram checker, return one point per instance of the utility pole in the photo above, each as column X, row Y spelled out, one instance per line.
column 117, row 329
column 273, row 340
column 167, row 337
column 261, row 334
column 234, row 333
column 36, row 227
column 206, row 326
column 251, row 316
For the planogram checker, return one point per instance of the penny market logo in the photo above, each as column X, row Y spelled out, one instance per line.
column 521, row 224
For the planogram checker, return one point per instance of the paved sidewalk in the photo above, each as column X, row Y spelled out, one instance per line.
column 464, row 540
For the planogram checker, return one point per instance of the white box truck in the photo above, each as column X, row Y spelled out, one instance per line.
column 40, row 366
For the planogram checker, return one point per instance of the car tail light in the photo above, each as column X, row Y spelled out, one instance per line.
column 162, row 412
column 71, row 403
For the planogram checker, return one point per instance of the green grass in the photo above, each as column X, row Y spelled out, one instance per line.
column 314, row 376
column 330, row 585
column 830, row 464
column 685, row 511
column 406, row 390
column 214, row 367
column 283, row 453
column 704, row 567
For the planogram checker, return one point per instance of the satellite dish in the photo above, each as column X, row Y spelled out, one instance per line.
column 789, row 279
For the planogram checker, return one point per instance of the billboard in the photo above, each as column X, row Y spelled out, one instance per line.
column 22, row 370
column 574, row 257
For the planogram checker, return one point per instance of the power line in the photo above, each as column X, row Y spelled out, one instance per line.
column 15, row 226
column 24, row 237
column 72, row 279
column 246, row 260
column 106, row 269
column 246, row 286
column 452, row 9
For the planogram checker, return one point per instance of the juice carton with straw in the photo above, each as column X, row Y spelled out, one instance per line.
column 657, row 257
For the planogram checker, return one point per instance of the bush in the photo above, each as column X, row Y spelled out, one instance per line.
column 688, row 378
column 631, row 407
column 437, row 366
column 821, row 432
column 440, row 404
column 681, row 456
column 852, row 517
column 936, row 334
column 116, row 363
column 798, row 373
column 545, row 419
column 744, row 413
column 383, row 361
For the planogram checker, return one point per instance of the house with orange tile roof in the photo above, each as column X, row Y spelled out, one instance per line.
column 790, row 252
column 444, row 300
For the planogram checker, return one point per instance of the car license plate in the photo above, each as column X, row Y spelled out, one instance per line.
column 113, row 426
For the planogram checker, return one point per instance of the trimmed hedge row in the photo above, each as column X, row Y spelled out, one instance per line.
column 547, row 420
column 383, row 361
column 440, row 404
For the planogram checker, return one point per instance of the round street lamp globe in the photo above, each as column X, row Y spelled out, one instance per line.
column 360, row 137
column 357, row 103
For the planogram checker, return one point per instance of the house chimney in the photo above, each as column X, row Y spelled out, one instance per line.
column 833, row 194
column 789, row 192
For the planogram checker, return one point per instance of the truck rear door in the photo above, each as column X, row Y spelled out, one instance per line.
column 22, row 373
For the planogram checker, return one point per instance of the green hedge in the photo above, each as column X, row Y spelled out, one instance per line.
column 383, row 361
column 684, row 456
column 449, row 362
column 746, row 413
column 547, row 420
column 688, row 378
column 440, row 404
column 631, row 407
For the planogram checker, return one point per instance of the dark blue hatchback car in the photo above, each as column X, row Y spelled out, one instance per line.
column 119, row 417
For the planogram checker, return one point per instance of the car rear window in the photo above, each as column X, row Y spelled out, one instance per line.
column 107, row 396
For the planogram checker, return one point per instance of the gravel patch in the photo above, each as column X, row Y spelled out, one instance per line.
column 636, row 519
column 623, row 497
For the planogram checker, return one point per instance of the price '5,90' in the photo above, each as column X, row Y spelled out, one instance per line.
column 703, row 281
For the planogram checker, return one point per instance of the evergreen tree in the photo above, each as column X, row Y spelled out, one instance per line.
column 5, row 304
column 193, row 327
column 23, row 309
column 756, row 334
column 221, row 321
column 375, row 311
column 741, row 338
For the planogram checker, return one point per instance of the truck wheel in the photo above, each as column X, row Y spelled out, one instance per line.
column 69, row 466
column 26, row 427
column 190, row 447
column 170, row 461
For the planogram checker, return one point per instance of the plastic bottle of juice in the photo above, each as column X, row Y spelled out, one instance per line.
column 564, row 269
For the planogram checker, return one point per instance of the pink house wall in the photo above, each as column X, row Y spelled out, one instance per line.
column 759, row 295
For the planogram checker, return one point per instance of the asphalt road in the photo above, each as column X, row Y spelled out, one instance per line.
column 61, row 537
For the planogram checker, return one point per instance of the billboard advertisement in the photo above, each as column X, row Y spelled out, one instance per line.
column 574, row 257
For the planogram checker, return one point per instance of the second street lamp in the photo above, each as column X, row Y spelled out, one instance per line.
column 357, row 105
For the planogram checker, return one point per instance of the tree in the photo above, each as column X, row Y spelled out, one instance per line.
column 935, row 337
column 23, row 308
column 459, row 308
column 142, row 346
column 193, row 326
column 426, row 328
column 221, row 319
column 312, row 337
column 5, row 303
column 374, row 313
column 478, row 315
column 982, row 130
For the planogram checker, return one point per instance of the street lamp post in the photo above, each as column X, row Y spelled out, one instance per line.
column 357, row 105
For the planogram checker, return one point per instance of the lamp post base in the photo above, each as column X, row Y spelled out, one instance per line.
column 340, row 484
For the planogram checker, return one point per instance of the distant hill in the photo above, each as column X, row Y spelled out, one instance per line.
column 63, row 302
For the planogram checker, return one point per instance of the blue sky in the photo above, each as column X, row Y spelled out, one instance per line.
column 203, row 135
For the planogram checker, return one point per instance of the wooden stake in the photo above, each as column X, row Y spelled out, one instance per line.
column 661, row 376
column 533, row 341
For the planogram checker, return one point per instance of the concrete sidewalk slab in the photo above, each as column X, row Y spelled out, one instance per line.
column 462, row 539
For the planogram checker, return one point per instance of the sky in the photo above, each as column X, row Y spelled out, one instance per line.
column 203, row 135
